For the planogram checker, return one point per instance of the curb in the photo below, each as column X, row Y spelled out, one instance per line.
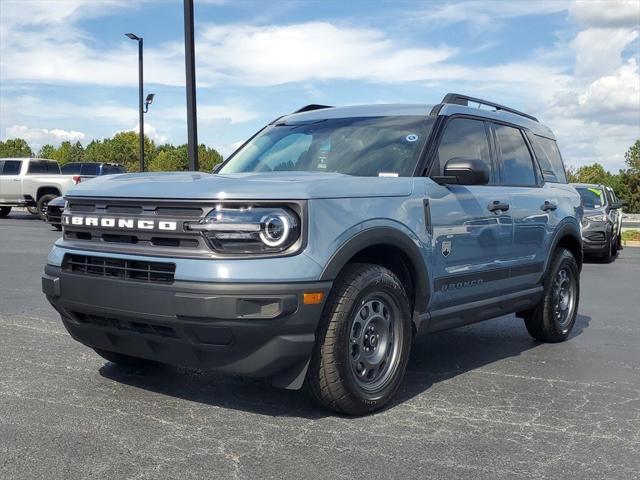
column 631, row 243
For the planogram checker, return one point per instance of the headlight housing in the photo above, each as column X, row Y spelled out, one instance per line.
column 600, row 217
column 248, row 229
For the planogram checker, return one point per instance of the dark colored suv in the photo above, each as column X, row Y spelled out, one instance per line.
column 602, row 220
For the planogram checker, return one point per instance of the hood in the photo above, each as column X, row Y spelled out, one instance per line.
column 595, row 211
column 242, row 186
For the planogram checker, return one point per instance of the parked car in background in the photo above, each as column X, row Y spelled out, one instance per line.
column 324, row 245
column 86, row 170
column 54, row 212
column 601, row 221
column 30, row 182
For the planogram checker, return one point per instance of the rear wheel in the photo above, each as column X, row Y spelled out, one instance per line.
column 121, row 359
column 32, row 209
column 554, row 317
column 4, row 211
column 43, row 201
column 363, row 341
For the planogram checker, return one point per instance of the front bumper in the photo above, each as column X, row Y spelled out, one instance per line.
column 262, row 330
column 595, row 237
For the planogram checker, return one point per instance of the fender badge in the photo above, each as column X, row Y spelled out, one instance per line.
column 446, row 248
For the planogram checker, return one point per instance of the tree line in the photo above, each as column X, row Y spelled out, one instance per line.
column 122, row 148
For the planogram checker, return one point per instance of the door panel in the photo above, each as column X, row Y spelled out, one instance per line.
column 10, row 182
column 472, row 246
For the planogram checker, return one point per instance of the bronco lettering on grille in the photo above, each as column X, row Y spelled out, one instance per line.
column 120, row 223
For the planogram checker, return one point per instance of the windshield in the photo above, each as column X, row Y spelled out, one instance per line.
column 592, row 197
column 364, row 147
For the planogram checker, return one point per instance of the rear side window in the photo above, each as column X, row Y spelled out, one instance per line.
column 41, row 168
column 463, row 138
column 516, row 161
column 11, row 167
column 71, row 169
column 90, row 169
column 549, row 158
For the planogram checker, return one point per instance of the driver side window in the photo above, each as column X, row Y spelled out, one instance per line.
column 463, row 138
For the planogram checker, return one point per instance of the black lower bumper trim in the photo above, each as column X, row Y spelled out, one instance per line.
column 252, row 330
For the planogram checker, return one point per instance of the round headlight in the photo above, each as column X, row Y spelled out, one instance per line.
column 275, row 230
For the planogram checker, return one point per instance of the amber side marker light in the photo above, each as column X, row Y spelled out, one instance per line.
column 312, row 298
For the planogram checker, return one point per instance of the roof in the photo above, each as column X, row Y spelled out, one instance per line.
column 382, row 110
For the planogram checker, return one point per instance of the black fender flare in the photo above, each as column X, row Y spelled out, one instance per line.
column 567, row 227
column 383, row 236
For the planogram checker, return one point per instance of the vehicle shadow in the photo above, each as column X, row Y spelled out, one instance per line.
column 439, row 357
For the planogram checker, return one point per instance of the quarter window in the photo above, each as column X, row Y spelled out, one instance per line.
column 549, row 158
column 517, row 164
column 463, row 138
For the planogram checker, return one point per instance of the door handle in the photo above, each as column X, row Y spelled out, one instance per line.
column 547, row 205
column 498, row 206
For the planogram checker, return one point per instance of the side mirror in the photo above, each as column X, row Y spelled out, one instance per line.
column 618, row 205
column 463, row 171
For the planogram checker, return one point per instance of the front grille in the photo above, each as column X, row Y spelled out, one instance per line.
column 137, row 270
column 180, row 242
column 128, row 325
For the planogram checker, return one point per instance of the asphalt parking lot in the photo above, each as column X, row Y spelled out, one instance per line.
column 484, row 401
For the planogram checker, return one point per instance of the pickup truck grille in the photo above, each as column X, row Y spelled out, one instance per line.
column 158, row 272
column 129, row 237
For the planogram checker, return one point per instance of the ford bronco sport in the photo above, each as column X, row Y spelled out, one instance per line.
column 324, row 245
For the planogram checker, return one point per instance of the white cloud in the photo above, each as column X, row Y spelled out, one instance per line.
column 607, row 13
column 40, row 136
column 149, row 131
column 619, row 92
column 598, row 50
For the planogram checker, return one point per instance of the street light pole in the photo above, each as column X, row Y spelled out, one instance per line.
column 140, row 96
column 190, row 67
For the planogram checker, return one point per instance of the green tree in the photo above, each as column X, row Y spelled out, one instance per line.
column 208, row 158
column 15, row 147
column 47, row 151
column 632, row 157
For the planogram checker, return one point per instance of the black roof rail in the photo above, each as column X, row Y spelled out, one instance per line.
column 457, row 99
column 312, row 106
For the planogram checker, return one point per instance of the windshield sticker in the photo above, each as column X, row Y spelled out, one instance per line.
column 387, row 174
column 596, row 191
column 412, row 137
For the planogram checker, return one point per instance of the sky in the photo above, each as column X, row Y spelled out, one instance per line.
column 67, row 72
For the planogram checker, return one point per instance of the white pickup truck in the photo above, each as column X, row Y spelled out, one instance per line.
column 31, row 183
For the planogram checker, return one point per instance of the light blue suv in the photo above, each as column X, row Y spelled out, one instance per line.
column 324, row 245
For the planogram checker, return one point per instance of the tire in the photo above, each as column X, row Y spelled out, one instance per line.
column 57, row 226
column 121, row 359
column 33, row 210
column 610, row 254
column 549, row 321
column 42, row 205
column 4, row 211
column 367, row 302
column 619, row 242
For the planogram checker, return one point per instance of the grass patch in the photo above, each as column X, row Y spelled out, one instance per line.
column 633, row 235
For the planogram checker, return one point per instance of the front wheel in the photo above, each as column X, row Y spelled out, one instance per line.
column 363, row 341
column 554, row 317
column 43, row 201
column 619, row 242
column 612, row 249
column 4, row 211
